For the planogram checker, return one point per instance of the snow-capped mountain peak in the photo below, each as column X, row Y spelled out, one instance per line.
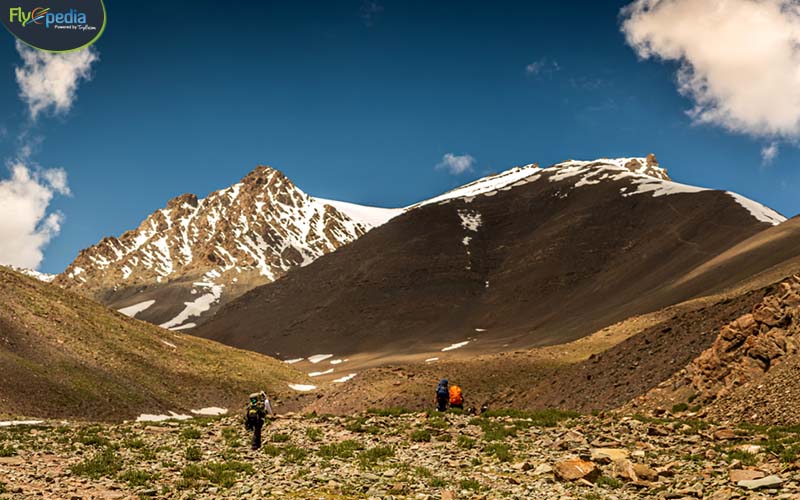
column 251, row 232
column 641, row 175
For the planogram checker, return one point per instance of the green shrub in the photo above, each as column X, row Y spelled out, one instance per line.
column 104, row 463
column 500, row 450
column 93, row 439
column 190, row 433
column 541, row 418
column 372, row 456
column 496, row 431
column 193, row 454
column 679, row 408
column 470, row 484
column 7, row 451
column 134, row 444
column 294, row 455
column 423, row 472
column 314, row 434
column 746, row 458
column 344, row 449
column 136, row 478
column 272, row 450
column 421, row 436
column 465, row 442
column 193, row 472
column 279, row 438
column 610, row 482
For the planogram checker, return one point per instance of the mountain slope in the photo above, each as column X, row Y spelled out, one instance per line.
column 64, row 356
column 186, row 259
column 528, row 257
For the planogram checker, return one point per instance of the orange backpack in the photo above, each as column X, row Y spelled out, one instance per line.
column 455, row 395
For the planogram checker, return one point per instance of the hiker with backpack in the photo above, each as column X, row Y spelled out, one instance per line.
column 255, row 414
column 442, row 395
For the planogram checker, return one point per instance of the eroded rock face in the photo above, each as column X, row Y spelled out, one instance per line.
column 749, row 346
column 748, row 372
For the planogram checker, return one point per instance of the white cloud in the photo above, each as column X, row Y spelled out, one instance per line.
column 27, row 227
column 456, row 164
column 769, row 153
column 542, row 66
column 49, row 82
column 739, row 59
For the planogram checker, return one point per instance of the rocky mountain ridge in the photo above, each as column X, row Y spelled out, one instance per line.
column 201, row 249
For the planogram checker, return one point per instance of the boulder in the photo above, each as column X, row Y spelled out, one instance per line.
column 765, row 482
column 608, row 455
column 572, row 470
column 737, row 475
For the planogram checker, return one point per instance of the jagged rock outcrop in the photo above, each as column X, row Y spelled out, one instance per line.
column 746, row 374
column 748, row 347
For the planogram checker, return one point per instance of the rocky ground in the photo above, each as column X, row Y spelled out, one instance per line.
column 390, row 454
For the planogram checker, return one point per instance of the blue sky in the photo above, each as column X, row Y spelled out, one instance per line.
column 359, row 102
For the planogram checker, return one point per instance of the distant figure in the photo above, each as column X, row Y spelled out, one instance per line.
column 255, row 414
column 456, row 397
column 442, row 395
column 484, row 407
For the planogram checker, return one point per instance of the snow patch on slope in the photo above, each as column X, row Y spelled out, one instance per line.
column 197, row 306
column 368, row 216
column 757, row 210
column 302, row 387
column 135, row 309
column 486, row 185
column 47, row 278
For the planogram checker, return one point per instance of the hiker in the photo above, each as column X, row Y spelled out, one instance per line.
column 254, row 418
column 456, row 397
column 442, row 395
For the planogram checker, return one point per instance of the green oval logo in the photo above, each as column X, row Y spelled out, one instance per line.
column 55, row 25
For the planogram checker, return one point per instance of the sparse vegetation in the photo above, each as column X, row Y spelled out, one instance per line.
column 344, row 449
column 421, row 436
column 372, row 456
column 193, row 454
column 500, row 450
column 190, row 433
column 314, row 433
column 295, row 455
column 680, row 408
column 105, row 463
column 279, row 438
column 388, row 412
column 609, row 482
column 136, row 478
column 465, row 442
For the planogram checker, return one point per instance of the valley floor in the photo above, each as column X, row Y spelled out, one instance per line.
column 392, row 454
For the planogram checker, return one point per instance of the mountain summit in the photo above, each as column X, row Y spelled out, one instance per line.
column 530, row 256
column 192, row 254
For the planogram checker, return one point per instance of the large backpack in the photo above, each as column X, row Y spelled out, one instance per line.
column 455, row 395
column 442, row 391
column 251, row 416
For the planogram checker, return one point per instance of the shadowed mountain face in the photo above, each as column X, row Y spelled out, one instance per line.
column 64, row 356
column 529, row 257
